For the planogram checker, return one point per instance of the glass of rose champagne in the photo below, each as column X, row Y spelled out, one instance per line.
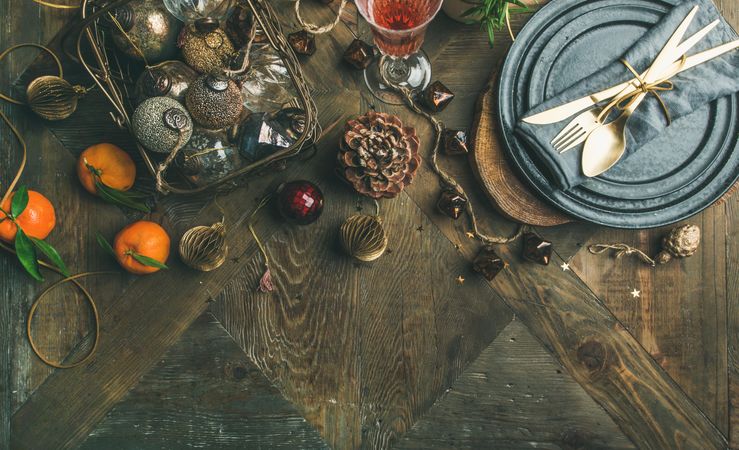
column 398, row 27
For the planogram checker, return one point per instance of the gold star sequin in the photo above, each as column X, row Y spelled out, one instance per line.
column 635, row 293
column 565, row 267
column 460, row 279
column 470, row 235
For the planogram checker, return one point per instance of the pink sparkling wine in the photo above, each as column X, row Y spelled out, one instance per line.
column 401, row 24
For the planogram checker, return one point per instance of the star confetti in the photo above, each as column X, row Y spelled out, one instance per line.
column 460, row 279
column 635, row 293
column 565, row 267
column 470, row 234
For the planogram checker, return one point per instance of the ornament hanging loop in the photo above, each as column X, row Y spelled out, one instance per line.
column 26, row 45
column 316, row 29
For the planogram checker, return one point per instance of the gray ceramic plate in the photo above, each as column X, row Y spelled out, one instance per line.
column 687, row 168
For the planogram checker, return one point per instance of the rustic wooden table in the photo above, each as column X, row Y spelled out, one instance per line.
column 345, row 355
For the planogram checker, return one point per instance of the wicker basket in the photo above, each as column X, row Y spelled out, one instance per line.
column 93, row 54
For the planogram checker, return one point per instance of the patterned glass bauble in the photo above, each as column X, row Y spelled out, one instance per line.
column 266, row 86
column 263, row 134
column 300, row 202
column 207, row 157
column 145, row 30
column 161, row 124
column 214, row 101
column 200, row 11
column 168, row 79
column 206, row 51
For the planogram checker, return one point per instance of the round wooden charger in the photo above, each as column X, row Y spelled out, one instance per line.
column 509, row 195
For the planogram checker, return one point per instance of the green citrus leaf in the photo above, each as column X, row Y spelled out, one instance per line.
column 151, row 262
column 26, row 253
column 106, row 245
column 122, row 198
column 20, row 201
column 52, row 254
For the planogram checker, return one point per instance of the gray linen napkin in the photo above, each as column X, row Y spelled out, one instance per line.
column 693, row 88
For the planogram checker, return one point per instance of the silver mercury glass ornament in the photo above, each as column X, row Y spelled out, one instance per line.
column 161, row 124
column 205, row 14
column 145, row 27
column 167, row 79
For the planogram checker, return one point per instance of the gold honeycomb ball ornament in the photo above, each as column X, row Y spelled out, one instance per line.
column 52, row 97
column 208, row 51
column 363, row 237
column 204, row 248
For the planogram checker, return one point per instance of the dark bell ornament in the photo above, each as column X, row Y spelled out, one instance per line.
column 206, row 51
column 436, row 96
column 161, row 124
column 300, row 202
column 302, row 42
column 214, row 101
column 239, row 26
column 536, row 249
column 452, row 204
column 488, row 263
column 52, row 97
column 168, row 79
column 263, row 134
column 359, row 54
column 455, row 142
column 207, row 157
column 144, row 27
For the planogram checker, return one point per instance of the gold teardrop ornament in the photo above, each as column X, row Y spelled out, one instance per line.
column 363, row 237
column 204, row 248
column 53, row 98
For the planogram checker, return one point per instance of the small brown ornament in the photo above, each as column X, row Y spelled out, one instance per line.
column 206, row 52
column 536, row 249
column 52, row 97
column 452, row 203
column 302, row 42
column 436, row 97
column 359, row 54
column 214, row 101
column 377, row 155
column 488, row 263
column 363, row 237
column 455, row 142
column 681, row 242
column 204, row 248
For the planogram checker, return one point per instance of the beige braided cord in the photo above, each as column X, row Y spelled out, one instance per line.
column 447, row 180
column 317, row 29
column 621, row 250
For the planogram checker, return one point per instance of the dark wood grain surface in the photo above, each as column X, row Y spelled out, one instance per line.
column 371, row 355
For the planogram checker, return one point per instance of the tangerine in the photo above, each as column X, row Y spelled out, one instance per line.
column 37, row 220
column 143, row 238
column 114, row 166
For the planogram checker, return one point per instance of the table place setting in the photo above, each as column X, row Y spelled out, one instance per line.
column 619, row 115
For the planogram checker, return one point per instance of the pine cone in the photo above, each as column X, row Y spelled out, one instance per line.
column 378, row 155
column 682, row 242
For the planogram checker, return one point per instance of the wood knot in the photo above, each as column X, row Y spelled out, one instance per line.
column 239, row 372
column 592, row 354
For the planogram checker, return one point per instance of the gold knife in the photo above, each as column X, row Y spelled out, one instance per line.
column 562, row 112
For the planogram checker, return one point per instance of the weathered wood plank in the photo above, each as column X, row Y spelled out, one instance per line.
column 205, row 393
column 514, row 395
column 732, row 291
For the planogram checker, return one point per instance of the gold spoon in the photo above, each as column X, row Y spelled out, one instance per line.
column 606, row 144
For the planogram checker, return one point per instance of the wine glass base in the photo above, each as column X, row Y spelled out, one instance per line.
column 413, row 72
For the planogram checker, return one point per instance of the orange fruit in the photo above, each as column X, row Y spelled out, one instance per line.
column 144, row 238
column 115, row 166
column 37, row 220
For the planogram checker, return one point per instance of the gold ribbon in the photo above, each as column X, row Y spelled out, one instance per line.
column 625, row 101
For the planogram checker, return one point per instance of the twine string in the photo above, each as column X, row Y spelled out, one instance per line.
column 247, row 54
column 447, row 181
column 161, row 185
column 621, row 250
column 316, row 29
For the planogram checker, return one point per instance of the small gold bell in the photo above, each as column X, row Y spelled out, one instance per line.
column 204, row 248
column 52, row 97
column 363, row 237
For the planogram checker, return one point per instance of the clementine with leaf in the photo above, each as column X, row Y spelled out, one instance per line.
column 107, row 163
column 142, row 247
column 37, row 219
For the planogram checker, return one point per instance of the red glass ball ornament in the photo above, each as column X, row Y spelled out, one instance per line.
column 300, row 202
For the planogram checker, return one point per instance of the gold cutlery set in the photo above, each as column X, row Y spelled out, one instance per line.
column 605, row 142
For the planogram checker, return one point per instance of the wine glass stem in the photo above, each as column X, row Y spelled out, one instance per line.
column 396, row 70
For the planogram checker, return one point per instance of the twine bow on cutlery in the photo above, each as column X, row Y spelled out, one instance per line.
column 642, row 86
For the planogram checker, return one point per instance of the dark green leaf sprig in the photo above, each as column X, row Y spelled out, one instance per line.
column 129, row 199
column 494, row 15
column 26, row 247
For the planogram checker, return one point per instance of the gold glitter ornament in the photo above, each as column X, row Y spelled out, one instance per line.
column 206, row 51
column 204, row 248
column 683, row 241
column 52, row 97
column 363, row 237
column 145, row 30
column 214, row 101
